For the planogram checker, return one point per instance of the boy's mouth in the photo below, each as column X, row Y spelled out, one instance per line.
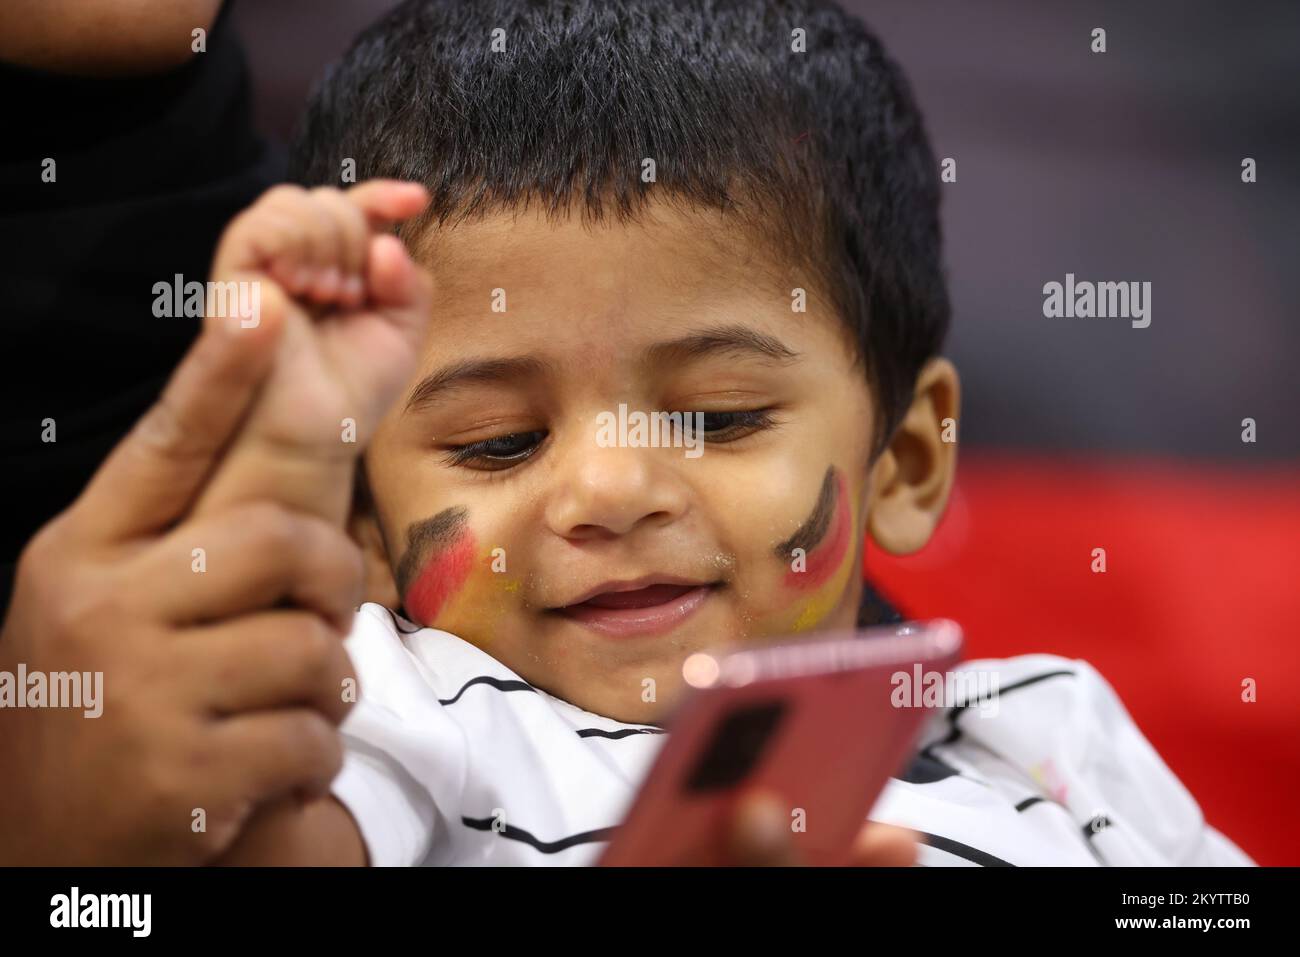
column 643, row 606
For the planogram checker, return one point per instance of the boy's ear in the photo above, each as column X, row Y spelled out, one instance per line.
column 911, row 479
column 363, row 527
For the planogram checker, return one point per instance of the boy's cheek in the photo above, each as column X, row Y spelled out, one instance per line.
column 442, row 578
column 470, row 581
column 476, row 612
column 799, row 602
column 468, row 588
column 809, row 574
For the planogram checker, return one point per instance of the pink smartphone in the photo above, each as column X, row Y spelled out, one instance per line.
column 823, row 723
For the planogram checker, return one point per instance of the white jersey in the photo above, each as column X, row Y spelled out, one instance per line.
column 452, row 758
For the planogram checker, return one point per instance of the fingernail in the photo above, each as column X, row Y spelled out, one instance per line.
column 768, row 828
column 327, row 282
column 353, row 288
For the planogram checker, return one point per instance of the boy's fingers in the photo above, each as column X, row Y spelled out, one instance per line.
column 271, row 230
column 760, row 832
column 318, row 227
column 884, row 845
column 300, row 236
column 352, row 229
column 257, row 237
column 393, row 281
column 388, row 201
column 156, row 471
column 253, row 556
column 271, row 659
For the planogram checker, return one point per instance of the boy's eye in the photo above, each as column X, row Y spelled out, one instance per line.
column 499, row 452
column 505, row 451
column 730, row 426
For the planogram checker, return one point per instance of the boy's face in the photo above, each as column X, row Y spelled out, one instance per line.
column 516, row 515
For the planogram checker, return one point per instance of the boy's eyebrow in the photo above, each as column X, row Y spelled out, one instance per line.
column 720, row 340
column 713, row 341
column 472, row 371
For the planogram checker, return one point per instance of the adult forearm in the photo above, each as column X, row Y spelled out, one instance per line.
column 90, row 38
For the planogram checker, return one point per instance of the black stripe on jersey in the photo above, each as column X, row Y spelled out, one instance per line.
column 926, row 768
column 510, row 832
column 1094, row 827
column 954, row 730
column 1098, row 823
column 501, row 684
column 957, row 710
column 1091, row 829
column 953, row 733
column 958, row 849
column 620, row 733
column 1014, row 686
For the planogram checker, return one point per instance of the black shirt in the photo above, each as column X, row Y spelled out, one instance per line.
column 148, row 170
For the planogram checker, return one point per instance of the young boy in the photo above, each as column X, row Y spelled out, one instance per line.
column 725, row 211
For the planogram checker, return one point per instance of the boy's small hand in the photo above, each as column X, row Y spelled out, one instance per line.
column 761, row 837
column 354, row 310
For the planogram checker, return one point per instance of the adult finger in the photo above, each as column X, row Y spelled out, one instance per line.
column 248, row 558
column 269, row 754
column 151, row 477
column 273, row 659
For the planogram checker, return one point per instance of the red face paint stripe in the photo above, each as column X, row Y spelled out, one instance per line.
column 440, row 578
column 824, row 560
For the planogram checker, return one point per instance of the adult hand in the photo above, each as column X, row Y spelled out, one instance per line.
column 213, row 700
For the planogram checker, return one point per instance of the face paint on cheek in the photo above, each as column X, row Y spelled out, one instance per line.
column 824, row 538
column 438, row 558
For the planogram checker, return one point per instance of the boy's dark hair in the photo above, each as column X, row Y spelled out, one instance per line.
column 822, row 153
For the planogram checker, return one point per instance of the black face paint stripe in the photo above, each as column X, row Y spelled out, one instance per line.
column 810, row 534
column 426, row 536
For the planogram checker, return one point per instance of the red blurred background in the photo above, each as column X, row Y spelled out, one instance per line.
column 1199, row 593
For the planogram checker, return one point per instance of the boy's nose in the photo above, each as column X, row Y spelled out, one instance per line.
column 601, row 492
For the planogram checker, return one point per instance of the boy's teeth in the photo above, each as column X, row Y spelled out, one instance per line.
column 641, row 598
